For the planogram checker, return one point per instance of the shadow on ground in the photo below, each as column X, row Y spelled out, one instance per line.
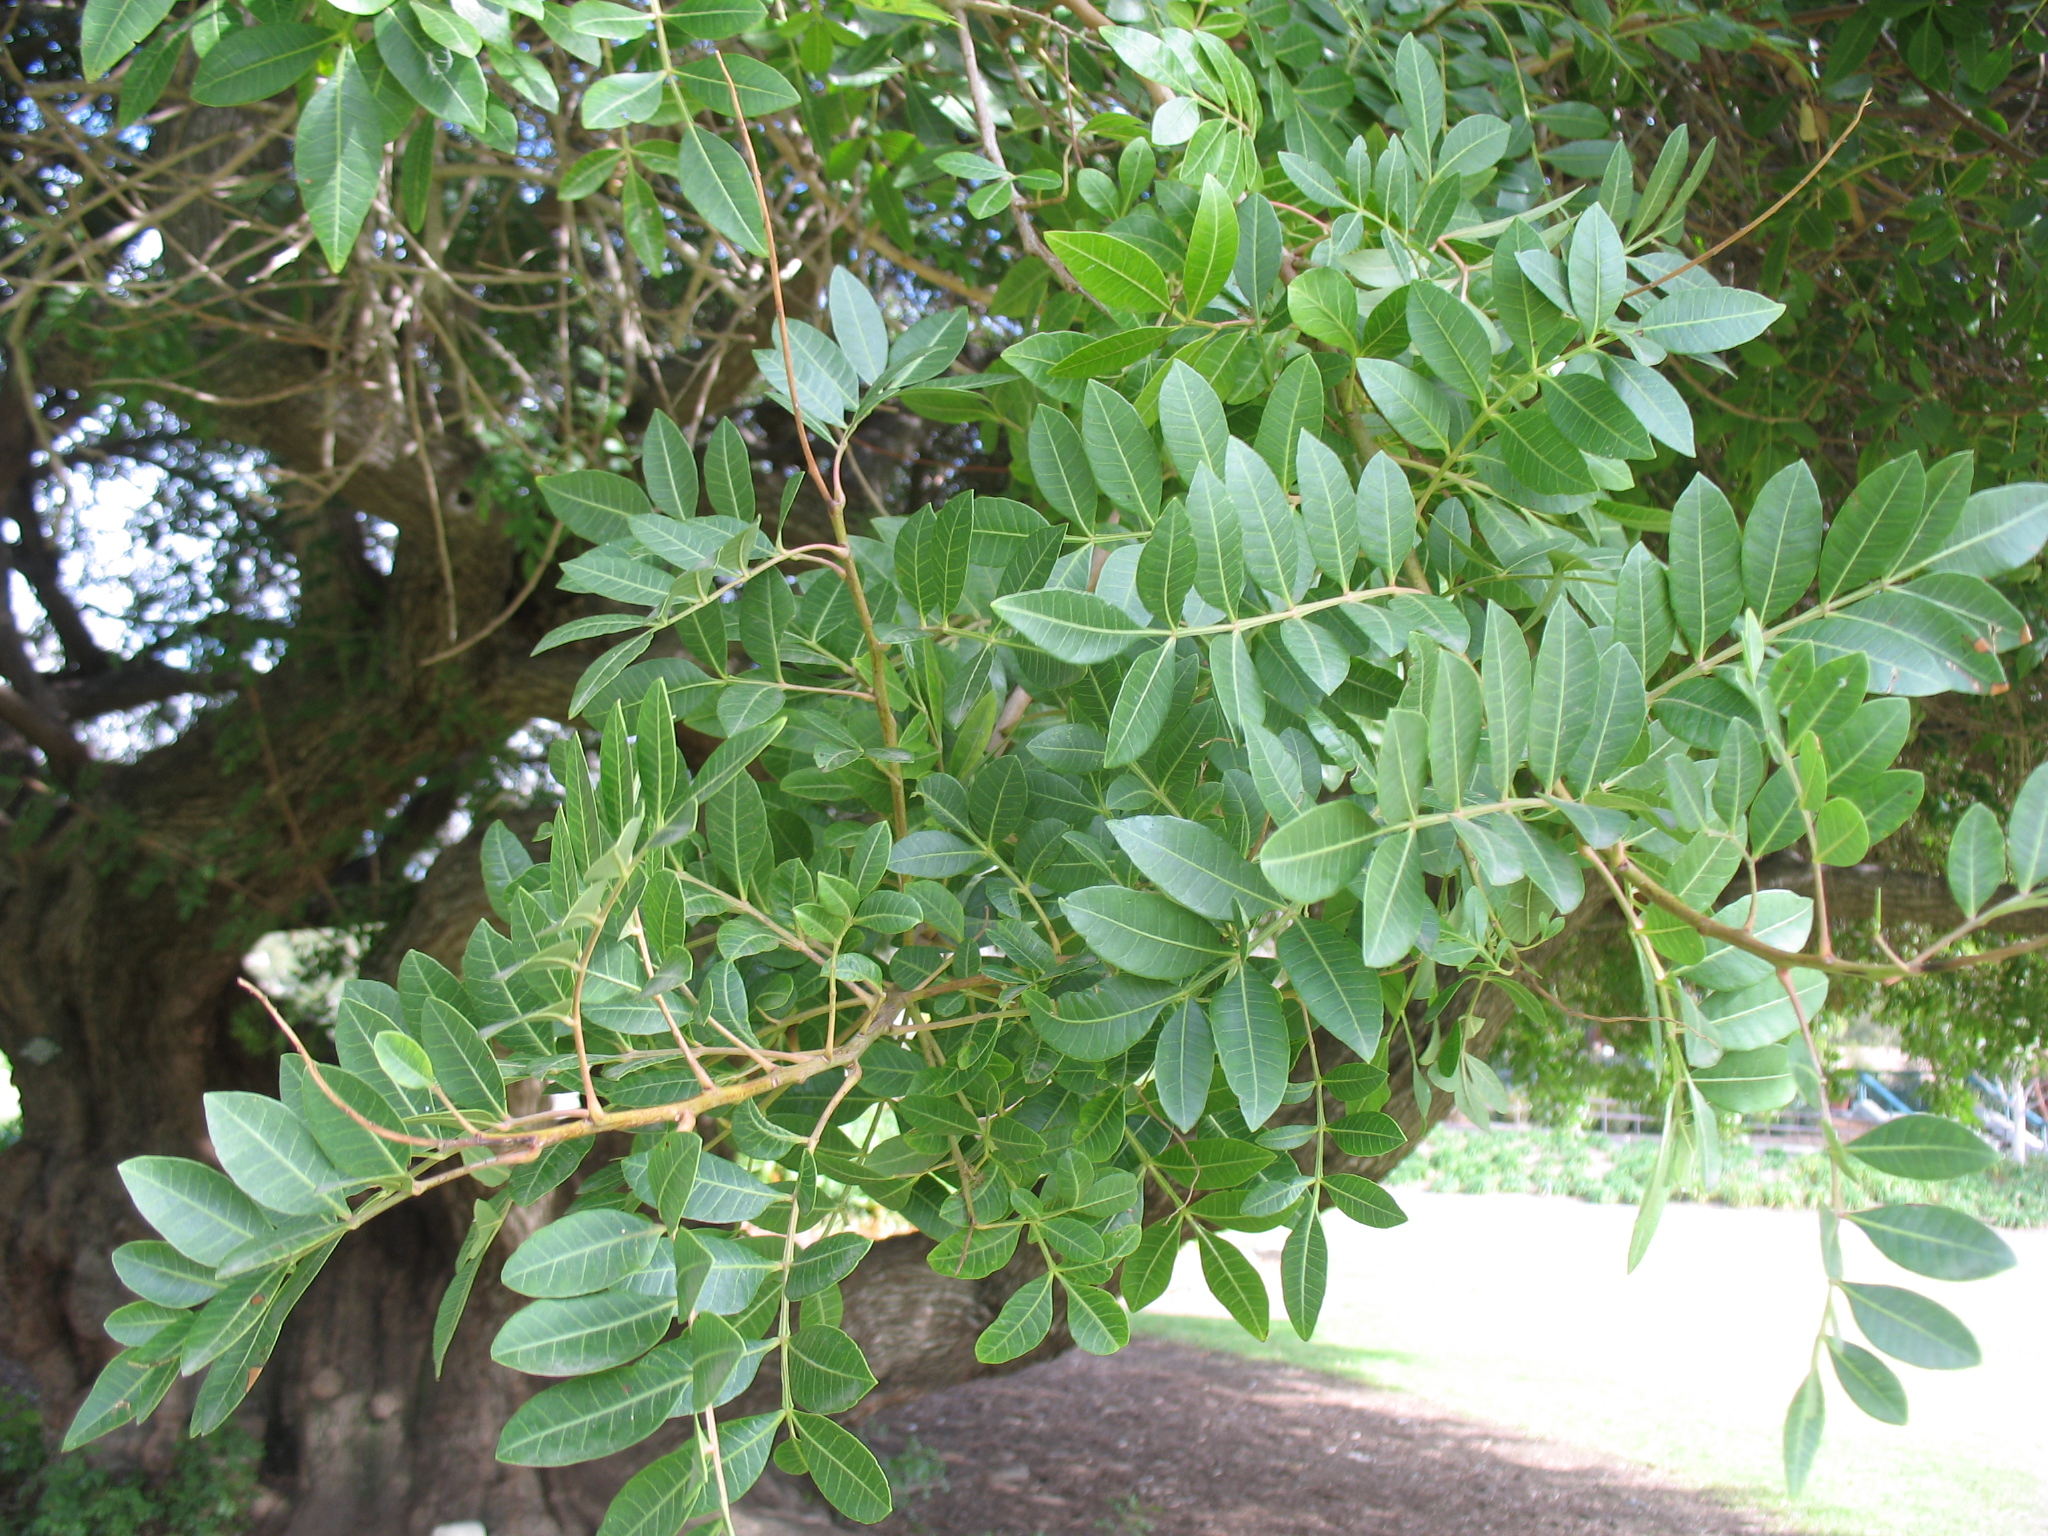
column 1167, row 1440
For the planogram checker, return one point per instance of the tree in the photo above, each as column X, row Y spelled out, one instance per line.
column 1220, row 325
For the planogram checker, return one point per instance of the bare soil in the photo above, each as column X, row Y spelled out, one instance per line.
column 1163, row 1440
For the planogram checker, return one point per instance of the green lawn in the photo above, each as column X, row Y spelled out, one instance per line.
column 1517, row 1309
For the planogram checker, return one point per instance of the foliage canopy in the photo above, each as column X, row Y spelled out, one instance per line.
column 1069, row 861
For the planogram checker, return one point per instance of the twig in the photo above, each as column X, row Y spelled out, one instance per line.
column 1800, row 186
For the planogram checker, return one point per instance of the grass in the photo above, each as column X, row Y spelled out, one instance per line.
column 1614, row 1170
column 206, row 1491
column 1520, row 1312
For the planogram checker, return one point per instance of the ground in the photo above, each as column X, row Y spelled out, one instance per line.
column 1166, row 1440
column 1492, row 1367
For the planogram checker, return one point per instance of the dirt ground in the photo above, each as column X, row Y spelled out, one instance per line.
column 1163, row 1440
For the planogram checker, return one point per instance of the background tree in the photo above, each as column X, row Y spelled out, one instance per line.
column 371, row 437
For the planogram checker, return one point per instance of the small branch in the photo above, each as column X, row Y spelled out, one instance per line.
column 1800, row 186
column 540, row 570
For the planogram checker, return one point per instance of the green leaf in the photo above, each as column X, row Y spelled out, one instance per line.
column 1059, row 464
column 661, row 1497
column 464, row 1067
column 761, row 87
column 1183, row 1064
column 1620, row 711
column 338, row 158
column 1874, row 526
column 1537, row 454
column 1251, row 1041
column 1412, row 405
column 646, row 230
column 196, row 1209
column 1218, row 537
column 596, row 505
column 1149, row 1270
column 583, row 1252
column 1655, row 402
column 125, row 1386
column 1324, row 303
column 1329, row 510
column 1098, row 1022
column 110, row 28
column 1696, row 320
column 1194, row 866
column 1642, row 610
column 1395, row 903
column 825, row 1263
column 1419, row 82
column 1273, row 545
column 1294, row 406
column 844, row 1469
column 1762, row 1013
column 1505, row 685
column 1020, row 1327
column 1369, row 1133
column 1870, row 1383
column 1840, row 834
column 931, row 560
column 1095, row 1319
column 1111, row 355
column 448, row 84
column 1142, row 932
column 1363, row 1201
column 1596, row 271
column 1386, row 513
column 1073, row 626
column 1976, row 859
column 2027, row 835
column 1113, row 270
column 403, row 1060
column 1212, row 247
column 1749, row 1082
column 934, row 855
column 1803, row 1422
column 488, row 1217
column 272, row 1156
column 1705, row 577
column 725, row 1192
column 719, row 186
column 1909, row 1327
column 1236, row 1284
column 1122, row 456
column 827, row 1371
column 255, row 63
column 669, row 467
column 1339, row 992
column 1589, row 415
column 1191, row 421
column 1316, row 854
column 1781, row 542
column 1472, row 147
column 594, row 1416
column 1934, row 1241
column 143, row 83
column 1142, row 703
column 613, row 101
column 1213, row 1162
column 1305, row 1270
column 1912, row 648
column 1999, row 531
column 1450, row 339
column 712, row 21
column 158, row 1272
column 580, row 1334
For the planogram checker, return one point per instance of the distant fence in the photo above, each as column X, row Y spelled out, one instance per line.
column 1792, row 1128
